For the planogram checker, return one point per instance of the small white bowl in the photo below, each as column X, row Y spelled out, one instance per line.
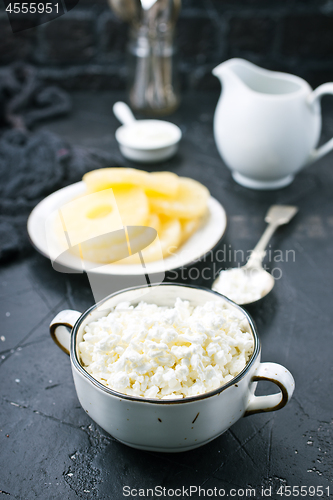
column 148, row 141
column 145, row 141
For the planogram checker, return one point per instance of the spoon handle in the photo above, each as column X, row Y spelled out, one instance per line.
column 123, row 113
column 276, row 216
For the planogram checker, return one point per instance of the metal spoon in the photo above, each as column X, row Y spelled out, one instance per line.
column 126, row 10
column 276, row 216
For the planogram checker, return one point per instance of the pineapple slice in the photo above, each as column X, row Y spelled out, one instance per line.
column 98, row 214
column 139, row 237
column 157, row 182
column 169, row 237
column 189, row 227
column 104, row 249
column 154, row 221
column 189, row 202
column 123, row 210
column 132, row 204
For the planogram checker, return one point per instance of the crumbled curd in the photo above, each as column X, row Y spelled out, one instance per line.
column 240, row 286
column 167, row 352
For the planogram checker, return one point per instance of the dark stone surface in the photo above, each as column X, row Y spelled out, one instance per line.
column 94, row 77
column 292, row 36
column 202, row 47
column 313, row 36
column 255, row 35
column 113, row 38
column 19, row 46
column 71, row 39
column 49, row 447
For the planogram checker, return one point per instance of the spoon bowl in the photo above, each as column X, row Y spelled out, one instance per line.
column 268, row 282
column 249, row 284
column 249, row 287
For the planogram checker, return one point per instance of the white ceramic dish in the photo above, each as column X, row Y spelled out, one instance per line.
column 169, row 425
column 193, row 249
column 128, row 137
column 145, row 141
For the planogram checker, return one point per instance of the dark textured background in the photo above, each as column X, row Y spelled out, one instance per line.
column 86, row 48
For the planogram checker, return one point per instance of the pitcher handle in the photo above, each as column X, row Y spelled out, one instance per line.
column 272, row 372
column 61, row 327
column 326, row 88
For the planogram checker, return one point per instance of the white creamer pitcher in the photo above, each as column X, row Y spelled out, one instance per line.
column 267, row 124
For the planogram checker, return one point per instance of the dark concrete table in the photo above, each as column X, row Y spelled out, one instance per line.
column 50, row 449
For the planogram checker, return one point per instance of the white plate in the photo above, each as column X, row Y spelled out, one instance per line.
column 195, row 247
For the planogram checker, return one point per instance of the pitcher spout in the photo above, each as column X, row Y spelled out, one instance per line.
column 220, row 70
column 262, row 81
column 231, row 69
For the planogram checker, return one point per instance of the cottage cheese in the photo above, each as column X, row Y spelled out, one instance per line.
column 167, row 353
column 240, row 286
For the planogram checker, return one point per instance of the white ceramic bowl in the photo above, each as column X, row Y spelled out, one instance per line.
column 148, row 141
column 169, row 425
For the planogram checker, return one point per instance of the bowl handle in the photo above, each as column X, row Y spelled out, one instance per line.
column 61, row 327
column 272, row 372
